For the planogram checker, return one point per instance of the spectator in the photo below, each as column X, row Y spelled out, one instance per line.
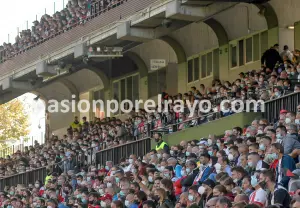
column 283, row 162
column 278, row 195
column 286, row 53
column 271, row 57
column 161, row 145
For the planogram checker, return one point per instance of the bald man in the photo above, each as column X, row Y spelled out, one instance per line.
column 212, row 202
column 241, row 198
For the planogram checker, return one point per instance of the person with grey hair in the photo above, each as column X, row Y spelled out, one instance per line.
column 251, row 131
column 212, row 202
column 192, row 171
column 223, row 202
column 290, row 141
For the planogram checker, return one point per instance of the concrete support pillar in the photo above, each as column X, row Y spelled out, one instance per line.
column 107, row 96
column 297, row 35
column 182, row 77
column 85, row 98
column 224, row 62
column 144, row 88
column 172, row 81
column 273, row 37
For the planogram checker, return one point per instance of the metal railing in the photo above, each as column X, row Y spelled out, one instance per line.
column 97, row 8
column 90, row 157
column 24, row 178
column 29, row 177
column 139, row 148
column 142, row 144
column 271, row 113
column 287, row 102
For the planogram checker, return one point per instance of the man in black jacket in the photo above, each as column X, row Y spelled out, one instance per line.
column 192, row 171
column 271, row 57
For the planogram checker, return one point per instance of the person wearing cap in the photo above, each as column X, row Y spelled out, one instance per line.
column 206, row 191
column 105, row 200
column 160, row 144
column 271, row 57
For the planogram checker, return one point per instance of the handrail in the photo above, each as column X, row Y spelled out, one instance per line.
column 138, row 148
column 287, row 102
column 96, row 158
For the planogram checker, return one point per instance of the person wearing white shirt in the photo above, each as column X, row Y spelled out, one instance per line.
column 259, row 196
column 286, row 52
column 131, row 160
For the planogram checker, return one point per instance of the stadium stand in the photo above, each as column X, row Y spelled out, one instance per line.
column 113, row 162
column 77, row 12
column 242, row 163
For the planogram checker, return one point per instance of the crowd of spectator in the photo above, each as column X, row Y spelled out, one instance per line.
column 255, row 166
column 264, row 84
column 75, row 12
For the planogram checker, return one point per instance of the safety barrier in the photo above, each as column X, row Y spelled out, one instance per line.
column 89, row 157
column 138, row 148
column 287, row 102
column 23, row 178
column 141, row 146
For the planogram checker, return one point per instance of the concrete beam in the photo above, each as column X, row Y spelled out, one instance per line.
column 80, row 50
column 126, row 32
column 44, row 70
column 10, row 84
column 175, row 10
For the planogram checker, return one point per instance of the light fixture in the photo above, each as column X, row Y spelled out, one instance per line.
column 291, row 27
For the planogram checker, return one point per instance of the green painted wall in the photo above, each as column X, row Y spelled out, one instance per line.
column 297, row 35
column 216, row 127
column 273, row 36
column 224, row 62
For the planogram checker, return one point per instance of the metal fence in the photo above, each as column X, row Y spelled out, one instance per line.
column 98, row 7
column 24, row 178
column 287, row 102
column 89, row 157
column 138, row 148
column 141, row 145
